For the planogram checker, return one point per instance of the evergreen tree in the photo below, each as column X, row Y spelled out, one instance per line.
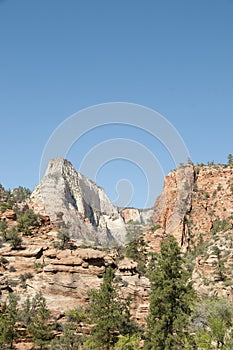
column 136, row 250
column 25, row 313
column 128, row 343
column 8, row 318
column 170, row 300
column 3, row 228
column 108, row 314
column 20, row 193
column 26, row 220
column 230, row 159
column 14, row 238
column 39, row 325
column 70, row 339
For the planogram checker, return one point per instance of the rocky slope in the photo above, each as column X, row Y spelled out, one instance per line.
column 65, row 276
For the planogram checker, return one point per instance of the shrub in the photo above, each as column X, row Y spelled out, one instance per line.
column 6, row 205
column 3, row 260
column 14, row 238
column 221, row 225
column 64, row 238
column 155, row 228
column 12, row 269
column 23, row 279
column 27, row 219
column 20, row 193
column 3, row 228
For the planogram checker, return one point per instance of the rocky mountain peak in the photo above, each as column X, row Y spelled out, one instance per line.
column 77, row 203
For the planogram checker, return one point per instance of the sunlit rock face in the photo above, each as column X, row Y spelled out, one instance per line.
column 72, row 200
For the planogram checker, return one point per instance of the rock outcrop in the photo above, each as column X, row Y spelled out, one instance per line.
column 65, row 276
column 174, row 202
column 75, row 202
column 194, row 198
column 196, row 206
column 137, row 216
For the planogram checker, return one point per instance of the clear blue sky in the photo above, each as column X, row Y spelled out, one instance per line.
column 60, row 56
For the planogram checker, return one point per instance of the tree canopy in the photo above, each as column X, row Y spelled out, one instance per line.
column 171, row 298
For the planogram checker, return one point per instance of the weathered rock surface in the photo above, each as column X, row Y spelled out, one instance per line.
column 137, row 216
column 65, row 276
column 192, row 200
column 174, row 202
column 196, row 206
column 69, row 198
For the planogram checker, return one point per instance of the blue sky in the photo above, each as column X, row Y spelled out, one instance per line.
column 60, row 56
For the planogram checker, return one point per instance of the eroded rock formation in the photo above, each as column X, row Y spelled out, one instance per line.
column 72, row 200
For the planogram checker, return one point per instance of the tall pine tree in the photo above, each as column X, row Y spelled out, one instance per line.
column 8, row 318
column 39, row 326
column 171, row 298
column 109, row 315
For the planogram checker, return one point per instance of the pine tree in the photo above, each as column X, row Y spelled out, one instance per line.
column 170, row 300
column 26, row 312
column 8, row 318
column 70, row 339
column 108, row 314
column 230, row 159
column 39, row 326
column 3, row 228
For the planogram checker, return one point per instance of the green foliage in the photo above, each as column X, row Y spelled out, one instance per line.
column 20, row 194
column 64, row 239
column 128, row 342
column 23, row 278
column 3, row 260
column 221, row 226
column 220, row 264
column 108, row 314
column 76, row 315
column 6, row 205
column 38, row 266
column 230, row 159
column 212, row 321
column 8, row 318
column 203, row 340
column 14, row 238
column 136, row 250
column 39, row 326
column 218, row 328
column 171, row 298
column 12, row 268
column 9, row 199
column 25, row 313
column 70, row 339
column 3, row 228
column 26, row 220
column 155, row 228
column 190, row 162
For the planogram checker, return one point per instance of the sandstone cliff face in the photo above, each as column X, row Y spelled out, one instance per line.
column 193, row 199
column 174, row 202
column 196, row 206
column 69, row 198
column 212, row 197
